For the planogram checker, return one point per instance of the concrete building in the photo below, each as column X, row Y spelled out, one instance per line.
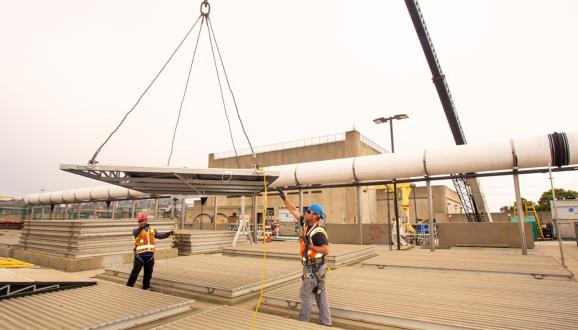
column 340, row 204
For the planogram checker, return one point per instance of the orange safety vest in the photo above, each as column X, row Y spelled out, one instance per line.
column 145, row 241
column 307, row 236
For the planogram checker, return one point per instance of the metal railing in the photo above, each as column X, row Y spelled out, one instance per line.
column 285, row 145
column 373, row 145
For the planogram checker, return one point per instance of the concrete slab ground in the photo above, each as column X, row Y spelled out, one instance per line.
column 426, row 299
column 470, row 260
column 101, row 306
column 340, row 255
column 214, row 278
column 81, row 264
column 551, row 248
column 477, row 297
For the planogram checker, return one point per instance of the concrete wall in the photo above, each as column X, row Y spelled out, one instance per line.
column 350, row 147
column 349, row 233
column 497, row 217
column 340, row 204
column 443, row 198
column 483, row 235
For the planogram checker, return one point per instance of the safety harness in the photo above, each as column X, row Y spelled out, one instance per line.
column 311, row 259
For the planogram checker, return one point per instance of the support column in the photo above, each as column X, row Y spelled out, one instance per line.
column 215, row 213
column 301, row 201
column 359, row 215
column 432, row 231
column 78, row 210
column 53, row 212
column 42, row 213
column 114, row 206
column 32, row 209
column 396, row 210
column 389, row 243
column 156, row 208
column 556, row 217
column 133, row 209
column 95, row 209
column 520, row 208
column 184, row 213
column 254, row 215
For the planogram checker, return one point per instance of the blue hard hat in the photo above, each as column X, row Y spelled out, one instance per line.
column 317, row 209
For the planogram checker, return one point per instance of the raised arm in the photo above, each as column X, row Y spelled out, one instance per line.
column 290, row 206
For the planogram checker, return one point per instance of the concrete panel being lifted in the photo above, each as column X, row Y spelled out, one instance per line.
column 213, row 278
column 339, row 254
column 425, row 299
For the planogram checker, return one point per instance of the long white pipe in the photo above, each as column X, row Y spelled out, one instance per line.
column 100, row 193
column 492, row 156
column 530, row 152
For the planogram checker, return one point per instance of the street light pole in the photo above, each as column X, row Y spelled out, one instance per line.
column 382, row 120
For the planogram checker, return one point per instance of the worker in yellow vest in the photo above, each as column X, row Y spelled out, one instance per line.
column 314, row 248
column 144, row 251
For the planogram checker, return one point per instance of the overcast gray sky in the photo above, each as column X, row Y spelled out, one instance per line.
column 69, row 70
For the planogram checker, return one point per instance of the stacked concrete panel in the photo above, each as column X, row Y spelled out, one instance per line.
column 101, row 306
column 76, row 245
column 213, row 278
column 205, row 241
column 85, row 238
column 426, row 299
column 9, row 239
column 339, row 254
column 456, row 261
column 230, row 318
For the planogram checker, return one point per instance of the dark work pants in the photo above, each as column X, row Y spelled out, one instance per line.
column 139, row 263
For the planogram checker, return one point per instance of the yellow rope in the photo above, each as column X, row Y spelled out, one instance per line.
column 254, row 321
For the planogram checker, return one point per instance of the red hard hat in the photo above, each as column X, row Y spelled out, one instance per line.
column 142, row 217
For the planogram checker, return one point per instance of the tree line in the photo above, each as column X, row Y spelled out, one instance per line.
column 543, row 203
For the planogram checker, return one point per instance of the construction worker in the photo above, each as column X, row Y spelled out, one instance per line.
column 144, row 251
column 314, row 247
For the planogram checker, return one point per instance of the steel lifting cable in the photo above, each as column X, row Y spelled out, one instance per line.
column 185, row 91
column 93, row 159
column 223, row 96
column 211, row 31
column 205, row 9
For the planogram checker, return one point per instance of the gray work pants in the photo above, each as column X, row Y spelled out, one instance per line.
column 306, row 295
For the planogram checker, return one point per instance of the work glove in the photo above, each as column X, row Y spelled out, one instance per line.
column 172, row 232
column 281, row 193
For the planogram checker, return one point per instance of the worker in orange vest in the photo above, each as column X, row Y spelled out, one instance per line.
column 144, row 251
column 314, row 248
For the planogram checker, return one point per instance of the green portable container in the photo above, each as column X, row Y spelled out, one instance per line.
column 531, row 219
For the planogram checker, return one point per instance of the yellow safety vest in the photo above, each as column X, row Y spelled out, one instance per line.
column 145, row 241
column 308, row 237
